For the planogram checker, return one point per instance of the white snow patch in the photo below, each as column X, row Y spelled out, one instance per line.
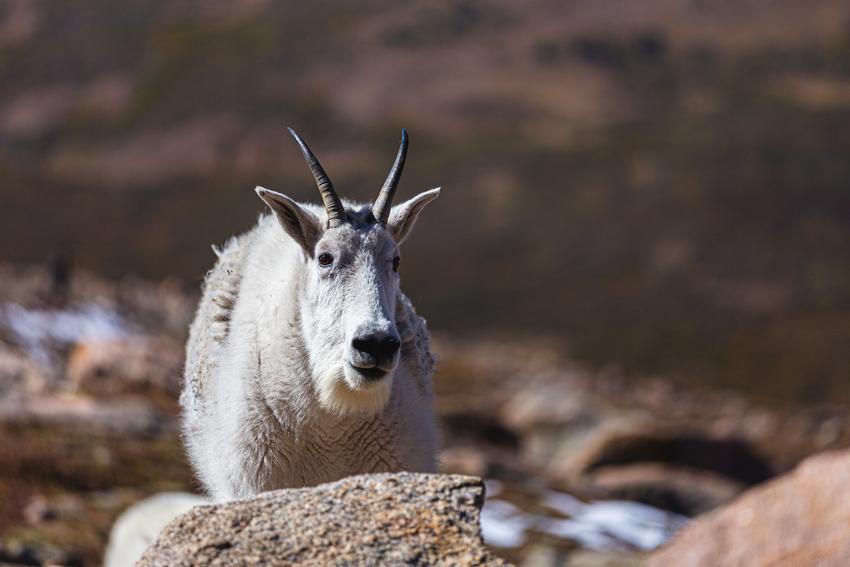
column 503, row 524
column 37, row 329
column 612, row 525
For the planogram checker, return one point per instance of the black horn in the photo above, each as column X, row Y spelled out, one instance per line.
column 332, row 202
column 384, row 202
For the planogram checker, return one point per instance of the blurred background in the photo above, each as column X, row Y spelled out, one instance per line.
column 645, row 219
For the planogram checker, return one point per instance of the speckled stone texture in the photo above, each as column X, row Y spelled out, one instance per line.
column 381, row 519
column 802, row 518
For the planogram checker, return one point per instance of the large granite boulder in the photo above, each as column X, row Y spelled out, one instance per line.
column 382, row 519
column 802, row 518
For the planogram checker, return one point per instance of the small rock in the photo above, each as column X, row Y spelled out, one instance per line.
column 19, row 374
column 125, row 417
column 828, row 433
column 19, row 553
column 465, row 460
column 644, row 441
column 589, row 558
column 127, row 364
column 544, row 554
column 570, row 452
column 547, row 405
column 681, row 490
column 38, row 510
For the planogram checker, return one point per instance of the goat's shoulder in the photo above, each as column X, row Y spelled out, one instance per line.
column 211, row 326
column 416, row 343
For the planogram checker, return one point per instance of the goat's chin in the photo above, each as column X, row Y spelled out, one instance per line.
column 348, row 393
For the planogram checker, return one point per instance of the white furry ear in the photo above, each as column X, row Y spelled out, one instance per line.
column 403, row 216
column 298, row 222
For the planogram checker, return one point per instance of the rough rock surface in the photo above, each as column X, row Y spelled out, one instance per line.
column 802, row 518
column 382, row 519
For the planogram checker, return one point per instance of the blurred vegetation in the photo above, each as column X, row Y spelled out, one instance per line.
column 665, row 197
column 87, row 478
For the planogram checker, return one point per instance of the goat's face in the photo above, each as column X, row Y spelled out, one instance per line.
column 348, row 292
column 348, row 317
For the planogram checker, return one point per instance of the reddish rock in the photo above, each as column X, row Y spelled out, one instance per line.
column 549, row 405
column 38, row 510
column 123, row 417
column 125, row 365
column 19, row 374
column 685, row 491
column 467, row 460
column 642, row 441
column 802, row 518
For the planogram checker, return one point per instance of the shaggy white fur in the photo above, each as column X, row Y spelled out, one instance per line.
column 140, row 524
column 275, row 395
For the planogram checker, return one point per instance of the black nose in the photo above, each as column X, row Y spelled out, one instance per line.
column 381, row 347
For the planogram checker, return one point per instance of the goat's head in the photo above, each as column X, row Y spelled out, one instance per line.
column 348, row 295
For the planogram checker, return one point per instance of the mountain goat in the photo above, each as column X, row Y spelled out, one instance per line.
column 305, row 362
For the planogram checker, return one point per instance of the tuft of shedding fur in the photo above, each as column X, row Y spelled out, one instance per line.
column 265, row 403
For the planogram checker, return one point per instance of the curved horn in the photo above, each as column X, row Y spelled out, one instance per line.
column 333, row 205
column 381, row 208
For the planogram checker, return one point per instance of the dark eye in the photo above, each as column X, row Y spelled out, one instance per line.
column 325, row 259
column 396, row 262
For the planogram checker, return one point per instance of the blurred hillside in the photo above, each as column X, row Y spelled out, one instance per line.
column 582, row 467
column 663, row 184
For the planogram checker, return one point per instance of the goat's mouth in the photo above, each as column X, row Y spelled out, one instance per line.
column 371, row 373
column 360, row 391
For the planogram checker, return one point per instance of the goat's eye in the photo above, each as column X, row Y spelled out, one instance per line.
column 325, row 259
column 396, row 262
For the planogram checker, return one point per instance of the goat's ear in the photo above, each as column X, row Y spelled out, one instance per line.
column 403, row 216
column 298, row 222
